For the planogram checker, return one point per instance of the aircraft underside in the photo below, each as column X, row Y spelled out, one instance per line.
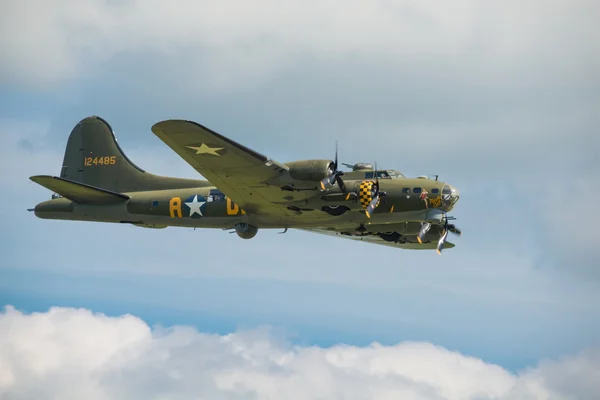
column 399, row 229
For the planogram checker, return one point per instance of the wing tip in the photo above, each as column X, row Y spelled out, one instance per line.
column 41, row 178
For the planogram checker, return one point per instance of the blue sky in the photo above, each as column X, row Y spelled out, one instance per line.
column 501, row 101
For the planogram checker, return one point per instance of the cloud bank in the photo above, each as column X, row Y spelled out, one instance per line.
column 233, row 43
column 75, row 353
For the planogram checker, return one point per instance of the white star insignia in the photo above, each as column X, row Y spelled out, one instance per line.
column 204, row 149
column 195, row 205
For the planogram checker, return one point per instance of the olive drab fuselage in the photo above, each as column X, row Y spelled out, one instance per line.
column 177, row 207
column 99, row 183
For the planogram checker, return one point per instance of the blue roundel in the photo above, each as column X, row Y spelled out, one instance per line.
column 194, row 206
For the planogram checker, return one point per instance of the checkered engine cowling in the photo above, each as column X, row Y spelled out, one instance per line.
column 365, row 193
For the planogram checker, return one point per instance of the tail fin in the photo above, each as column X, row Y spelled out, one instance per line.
column 94, row 158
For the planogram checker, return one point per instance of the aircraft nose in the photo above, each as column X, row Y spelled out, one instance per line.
column 455, row 193
column 454, row 196
column 450, row 196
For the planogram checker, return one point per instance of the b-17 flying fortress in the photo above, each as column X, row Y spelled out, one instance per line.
column 245, row 191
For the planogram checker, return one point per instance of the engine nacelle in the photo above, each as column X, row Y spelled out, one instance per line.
column 310, row 170
column 246, row 231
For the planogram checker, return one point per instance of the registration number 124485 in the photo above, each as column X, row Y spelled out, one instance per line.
column 91, row 161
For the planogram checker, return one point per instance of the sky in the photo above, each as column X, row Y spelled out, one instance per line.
column 500, row 99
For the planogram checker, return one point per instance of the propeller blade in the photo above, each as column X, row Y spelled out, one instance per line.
column 425, row 226
column 340, row 183
column 324, row 183
column 330, row 178
column 442, row 241
column 334, row 175
column 452, row 228
column 372, row 205
column 336, row 155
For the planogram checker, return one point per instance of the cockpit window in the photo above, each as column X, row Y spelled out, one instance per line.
column 380, row 174
column 395, row 174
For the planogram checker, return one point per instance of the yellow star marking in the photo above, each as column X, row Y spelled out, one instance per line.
column 204, row 149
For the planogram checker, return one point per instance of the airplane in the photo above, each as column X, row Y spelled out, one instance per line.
column 245, row 191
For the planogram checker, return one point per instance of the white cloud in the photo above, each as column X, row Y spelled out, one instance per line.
column 464, row 76
column 235, row 42
column 74, row 353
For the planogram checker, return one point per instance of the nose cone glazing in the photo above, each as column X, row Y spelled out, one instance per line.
column 450, row 196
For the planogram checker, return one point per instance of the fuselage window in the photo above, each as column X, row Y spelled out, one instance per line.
column 416, row 190
column 435, row 191
column 368, row 175
column 215, row 195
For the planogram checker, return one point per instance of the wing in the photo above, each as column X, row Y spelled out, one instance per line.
column 410, row 243
column 239, row 172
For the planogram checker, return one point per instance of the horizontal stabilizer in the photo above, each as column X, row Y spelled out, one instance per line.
column 78, row 192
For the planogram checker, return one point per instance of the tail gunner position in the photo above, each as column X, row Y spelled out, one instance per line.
column 244, row 191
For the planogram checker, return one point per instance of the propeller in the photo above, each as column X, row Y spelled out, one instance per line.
column 376, row 195
column 447, row 228
column 335, row 175
column 425, row 226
